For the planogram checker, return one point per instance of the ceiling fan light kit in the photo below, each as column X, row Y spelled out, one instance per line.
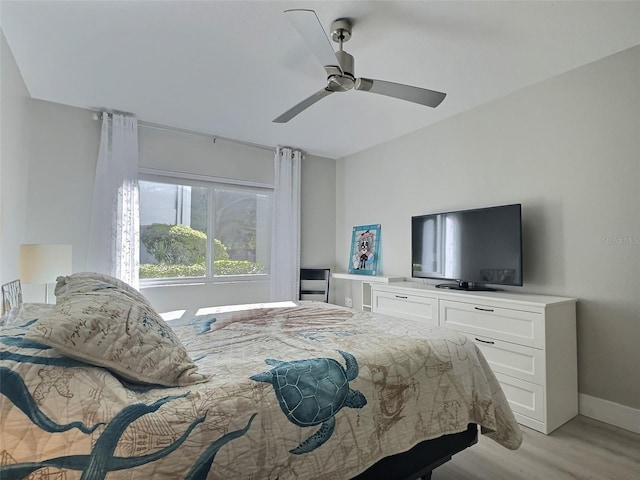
column 340, row 66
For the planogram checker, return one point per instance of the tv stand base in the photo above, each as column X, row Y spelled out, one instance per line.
column 467, row 286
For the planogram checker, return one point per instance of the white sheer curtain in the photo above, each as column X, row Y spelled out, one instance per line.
column 115, row 222
column 285, row 244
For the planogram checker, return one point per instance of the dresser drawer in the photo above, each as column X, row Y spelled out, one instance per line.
column 521, row 327
column 420, row 308
column 525, row 398
column 525, row 363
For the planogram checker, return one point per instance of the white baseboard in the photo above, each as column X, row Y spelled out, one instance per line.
column 609, row 412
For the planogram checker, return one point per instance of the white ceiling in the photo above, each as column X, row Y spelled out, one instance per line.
column 228, row 68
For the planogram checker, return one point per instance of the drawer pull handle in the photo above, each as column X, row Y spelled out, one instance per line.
column 402, row 296
column 484, row 309
column 485, row 341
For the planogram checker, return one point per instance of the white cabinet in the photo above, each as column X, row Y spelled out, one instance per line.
column 405, row 303
column 494, row 320
column 528, row 340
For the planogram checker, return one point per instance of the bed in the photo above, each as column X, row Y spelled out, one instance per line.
column 100, row 385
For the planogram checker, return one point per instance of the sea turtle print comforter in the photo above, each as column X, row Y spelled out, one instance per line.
column 301, row 390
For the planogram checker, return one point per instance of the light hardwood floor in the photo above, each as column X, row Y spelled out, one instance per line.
column 582, row 449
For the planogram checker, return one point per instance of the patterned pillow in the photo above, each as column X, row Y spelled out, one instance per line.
column 109, row 328
column 89, row 281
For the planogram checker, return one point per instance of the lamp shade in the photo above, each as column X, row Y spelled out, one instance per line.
column 42, row 263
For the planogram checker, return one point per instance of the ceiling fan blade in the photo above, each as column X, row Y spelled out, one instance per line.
column 303, row 105
column 310, row 28
column 430, row 98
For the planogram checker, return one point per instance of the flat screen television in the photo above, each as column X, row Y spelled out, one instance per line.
column 474, row 248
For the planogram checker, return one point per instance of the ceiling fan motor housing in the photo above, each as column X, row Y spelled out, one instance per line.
column 337, row 82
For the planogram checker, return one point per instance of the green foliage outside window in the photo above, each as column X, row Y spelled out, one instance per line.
column 221, row 267
column 180, row 251
column 164, row 270
column 174, row 244
column 237, row 267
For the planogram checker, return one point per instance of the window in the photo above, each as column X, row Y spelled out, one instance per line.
column 194, row 228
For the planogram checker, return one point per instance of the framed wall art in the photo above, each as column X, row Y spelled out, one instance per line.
column 365, row 241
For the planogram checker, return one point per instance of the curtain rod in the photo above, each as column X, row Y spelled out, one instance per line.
column 192, row 132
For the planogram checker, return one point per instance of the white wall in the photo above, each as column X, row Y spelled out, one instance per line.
column 14, row 163
column 165, row 149
column 48, row 158
column 567, row 149
column 64, row 149
column 318, row 212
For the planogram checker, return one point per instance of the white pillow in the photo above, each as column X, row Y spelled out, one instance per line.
column 91, row 281
column 109, row 328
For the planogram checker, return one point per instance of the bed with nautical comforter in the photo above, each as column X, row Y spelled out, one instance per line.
column 100, row 386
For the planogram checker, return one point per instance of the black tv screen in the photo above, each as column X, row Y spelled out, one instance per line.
column 471, row 247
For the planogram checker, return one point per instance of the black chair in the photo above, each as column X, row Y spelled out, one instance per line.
column 315, row 281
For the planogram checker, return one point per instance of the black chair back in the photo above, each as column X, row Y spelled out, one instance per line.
column 315, row 281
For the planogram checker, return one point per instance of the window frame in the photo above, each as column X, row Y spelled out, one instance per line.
column 199, row 180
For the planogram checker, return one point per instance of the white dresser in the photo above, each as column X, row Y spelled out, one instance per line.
column 529, row 341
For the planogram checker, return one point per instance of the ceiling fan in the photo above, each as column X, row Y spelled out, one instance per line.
column 340, row 66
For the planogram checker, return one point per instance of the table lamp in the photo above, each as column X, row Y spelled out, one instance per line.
column 43, row 263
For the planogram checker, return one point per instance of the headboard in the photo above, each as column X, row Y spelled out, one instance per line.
column 11, row 296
